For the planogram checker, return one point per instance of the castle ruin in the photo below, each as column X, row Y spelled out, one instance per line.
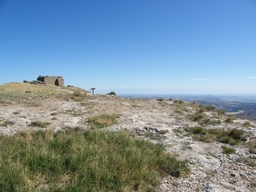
column 52, row 80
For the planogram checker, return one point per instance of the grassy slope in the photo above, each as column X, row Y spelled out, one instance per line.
column 83, row 161
column 79, row 160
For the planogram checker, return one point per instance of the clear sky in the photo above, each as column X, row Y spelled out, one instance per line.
column 132, row 46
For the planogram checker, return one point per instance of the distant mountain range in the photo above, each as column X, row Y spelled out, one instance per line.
column 243, row 106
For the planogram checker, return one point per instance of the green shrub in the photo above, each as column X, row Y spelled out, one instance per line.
column 201, row 109
column 160, row 99
column 207, row 138
column 208, row 121
column 252, row 146
column 228, row 150
column 227, row 139
column 232, row 137
column 229, row 120
column 112, row 93
column 246, row 161
column 202, row 119
column 77, row 160
column 178, row 111
column 6, row 123
column 246, row 124
column 253, row 185
column 221, row 111
column 178, row 101
column 237, row 134
column 197, row 117
column 178, row 131
column 39, row 124
column 209, row 108
column 200, row 134
column 198, row 130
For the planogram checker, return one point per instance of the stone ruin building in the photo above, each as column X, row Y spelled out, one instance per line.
column 52, row 80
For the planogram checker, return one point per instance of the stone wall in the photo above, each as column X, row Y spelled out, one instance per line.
column 52, row 80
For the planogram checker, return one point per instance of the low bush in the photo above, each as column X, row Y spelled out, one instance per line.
column 253, row 185
column 200, row 134
column 209, row 108
column 208, row 121
column 252, row 150
column 228, row 150
column 246, row 124
column 202, row 119
column 112, row 93
column 232, row 137
column 246, row 161
column 39, row 124
column 178, row 101
column 230, row 119
column 160, row 99
column 252, row 146
column 197, row 130
column 77, row 96
column 221, row 111
column 6, row 123
column 201, row 109
column 177, row 131
column 197, row 117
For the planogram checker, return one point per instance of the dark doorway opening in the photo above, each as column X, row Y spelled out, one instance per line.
column 57, row 82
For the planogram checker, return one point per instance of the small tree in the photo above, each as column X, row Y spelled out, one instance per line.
column 111, row 93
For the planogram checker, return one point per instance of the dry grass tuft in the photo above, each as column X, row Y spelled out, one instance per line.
column 100, row 121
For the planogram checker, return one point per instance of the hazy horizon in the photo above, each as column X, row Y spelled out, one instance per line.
column 167, row 92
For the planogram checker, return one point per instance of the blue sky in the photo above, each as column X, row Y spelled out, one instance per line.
column 132, row 46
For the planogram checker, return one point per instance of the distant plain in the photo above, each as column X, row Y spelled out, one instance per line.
column 243, row 106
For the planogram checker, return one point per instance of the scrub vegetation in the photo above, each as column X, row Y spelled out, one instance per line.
column 79, row 160
column 103, row 120
column 232, row 137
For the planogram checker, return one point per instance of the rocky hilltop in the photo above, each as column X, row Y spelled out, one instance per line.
column 220, row 149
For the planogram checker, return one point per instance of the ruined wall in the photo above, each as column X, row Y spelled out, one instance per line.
column 52, row 80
